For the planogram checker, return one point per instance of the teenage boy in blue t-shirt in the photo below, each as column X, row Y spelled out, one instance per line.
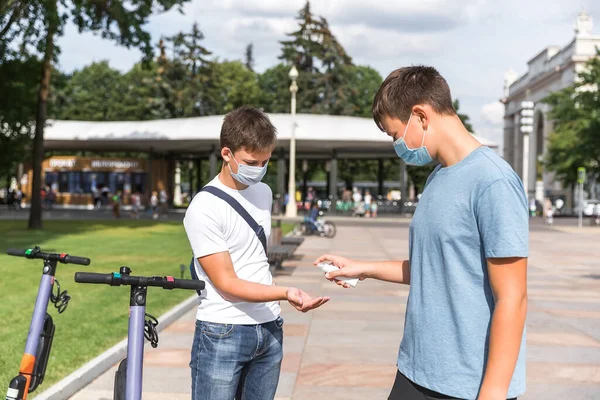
column 464, row 334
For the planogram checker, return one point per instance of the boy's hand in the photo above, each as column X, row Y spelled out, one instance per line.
column 347, row 268
column 301, row 301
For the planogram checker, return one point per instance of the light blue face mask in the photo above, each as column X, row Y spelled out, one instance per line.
column 247, row 174
column 419, row 156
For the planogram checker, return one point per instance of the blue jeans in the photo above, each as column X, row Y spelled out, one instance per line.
column 241, row 361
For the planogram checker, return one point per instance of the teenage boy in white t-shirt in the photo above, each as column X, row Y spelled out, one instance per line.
column 237, row 348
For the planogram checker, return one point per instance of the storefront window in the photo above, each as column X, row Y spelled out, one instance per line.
column 138, row 182
column 51, row 179
column 63, row 182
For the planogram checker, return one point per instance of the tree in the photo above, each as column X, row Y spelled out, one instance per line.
column 463, row 117
column 234, row 86
column 93, row 93
column 139, row 101
column 37, row 26
column 249, row 57
column 349, row 90
column 575, row 140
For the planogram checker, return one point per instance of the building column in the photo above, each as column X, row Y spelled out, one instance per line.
column 333, row 180
column 380, row 177
column 149, row 184
column 281, row 167
column 198, row 175
column 213, row 164
column 170, row 181
column 191, row 177
column 304, row 180
column 177, row 188
column 403, row 185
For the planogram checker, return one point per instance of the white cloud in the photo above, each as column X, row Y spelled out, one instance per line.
column 493, row 113
column 471, row 42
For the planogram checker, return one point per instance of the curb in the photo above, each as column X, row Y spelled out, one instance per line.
column 83, row 376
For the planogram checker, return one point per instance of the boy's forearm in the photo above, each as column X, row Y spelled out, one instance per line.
column 240, row 290
column 389, row 271
column 506, row 332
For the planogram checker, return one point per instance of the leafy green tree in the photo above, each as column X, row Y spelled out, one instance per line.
column 36, row 26
column 93, row 93
column 234, row 86
column 575, row 140
column 463, row 117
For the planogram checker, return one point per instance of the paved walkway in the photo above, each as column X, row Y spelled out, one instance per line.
column 347, row 349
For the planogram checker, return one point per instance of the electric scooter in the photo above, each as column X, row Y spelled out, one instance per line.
column 128, row 378
column 41, row 330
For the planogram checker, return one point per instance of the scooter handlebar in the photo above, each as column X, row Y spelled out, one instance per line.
column 115, row 279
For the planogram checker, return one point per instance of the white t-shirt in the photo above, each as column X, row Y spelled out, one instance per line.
column 213, row 226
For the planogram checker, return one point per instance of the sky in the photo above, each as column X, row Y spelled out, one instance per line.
column 471, row 42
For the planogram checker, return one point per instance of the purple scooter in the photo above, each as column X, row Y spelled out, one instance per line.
column 128, row 378
column 41, row 330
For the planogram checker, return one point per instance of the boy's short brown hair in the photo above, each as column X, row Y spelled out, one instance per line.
column 406, row 87
column 248, row 128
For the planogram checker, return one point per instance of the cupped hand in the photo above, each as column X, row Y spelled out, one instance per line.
column 301, row 301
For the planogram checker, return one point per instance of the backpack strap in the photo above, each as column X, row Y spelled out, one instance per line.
column 256, row 227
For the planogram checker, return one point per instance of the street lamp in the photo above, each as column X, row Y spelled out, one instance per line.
column 526, row 122
column 291, row 209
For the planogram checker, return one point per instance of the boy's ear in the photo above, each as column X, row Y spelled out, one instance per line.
column 226, row 154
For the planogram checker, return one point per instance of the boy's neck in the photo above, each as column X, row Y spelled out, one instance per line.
column 456, row 142
column 227, row 180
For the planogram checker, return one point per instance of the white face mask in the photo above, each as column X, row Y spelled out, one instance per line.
column 248, row 175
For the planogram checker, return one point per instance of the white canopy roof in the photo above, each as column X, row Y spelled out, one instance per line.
column 316, row 135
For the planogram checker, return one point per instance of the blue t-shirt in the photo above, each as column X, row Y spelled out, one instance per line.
column 468, row 212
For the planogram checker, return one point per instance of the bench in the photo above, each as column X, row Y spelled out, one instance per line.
column 296, row 241
column 278, row 253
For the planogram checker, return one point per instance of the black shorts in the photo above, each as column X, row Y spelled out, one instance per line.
column 404, row 389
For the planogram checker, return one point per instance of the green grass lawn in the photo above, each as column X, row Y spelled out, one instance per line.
column 96, row 317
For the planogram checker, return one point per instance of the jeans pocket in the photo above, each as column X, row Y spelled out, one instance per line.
column 216, row 330
column 279, row 322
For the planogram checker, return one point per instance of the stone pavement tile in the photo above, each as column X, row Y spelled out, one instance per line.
column 570, row 300
column 181, row 326
column 355, row 333
column 168, row 358
column 293, row 344
column 285, row 387
column 167, row 379
column 299, row 282
column 340, row 393
column 291, row 362
column 541, row 322
column 325, row 315
column 562, row 293
column 535, row 304
column 337, row 375
column 104, row 381
column 344, row 354
column 554, row 391
column 173, row 340
column 108, row 395
column 374, row 307
column 349, row 295
column 574, row 313
column 93, row 394
column 561, row 339
column 563, row 354
column 586, row 326
column 538, row 372
column 292, row 316
column 295, row 329
column 535, row 283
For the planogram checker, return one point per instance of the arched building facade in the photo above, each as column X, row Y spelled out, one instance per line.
column 552, row 69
